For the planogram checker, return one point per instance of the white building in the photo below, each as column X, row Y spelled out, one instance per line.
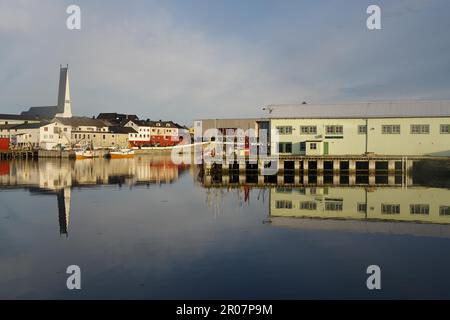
column 142, row 134
column 415, row 128
column 6, row 119
column 43, row 135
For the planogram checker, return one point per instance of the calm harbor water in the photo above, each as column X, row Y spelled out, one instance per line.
column 145, row 228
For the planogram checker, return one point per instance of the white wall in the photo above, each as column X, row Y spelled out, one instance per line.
column 353, row 143
column 53, row 135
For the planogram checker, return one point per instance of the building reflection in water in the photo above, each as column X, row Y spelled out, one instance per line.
column 358, row 203
column 414, row 210
column 379, row 203
column 58, row 177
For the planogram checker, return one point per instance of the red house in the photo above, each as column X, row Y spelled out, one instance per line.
column 4, row 144
column 154, row 133
column 165, row 133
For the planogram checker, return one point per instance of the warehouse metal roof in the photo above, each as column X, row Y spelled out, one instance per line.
column 393, row 109
column 15, row 117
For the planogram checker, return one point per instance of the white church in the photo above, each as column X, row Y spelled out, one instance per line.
column 41, row 127
column 63, row 109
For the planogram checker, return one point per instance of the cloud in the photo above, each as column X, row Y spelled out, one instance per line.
column 144, row 58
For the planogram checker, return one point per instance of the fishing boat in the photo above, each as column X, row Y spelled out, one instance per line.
column 84, row 154
column 121, row 153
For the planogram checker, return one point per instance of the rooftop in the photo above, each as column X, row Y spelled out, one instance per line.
column 392, row 109
column 119, row 129
column 31, row 125
column 160, row 123
column 15, row 117
column 36, row 125
column 82, row 121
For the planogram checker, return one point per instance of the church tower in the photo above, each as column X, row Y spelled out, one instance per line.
column 64, row 108
column 64, row 197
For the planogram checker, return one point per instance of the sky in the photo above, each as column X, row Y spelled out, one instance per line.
column 190, row 59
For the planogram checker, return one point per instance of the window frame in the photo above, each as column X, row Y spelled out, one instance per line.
column 418, row 209
column 306, row 130
column 362, row 126
column 334, row 129
column 419, row 129
column 284, row 148
column 282, row 130
column 442, row 131
column 394, row 208
column 391, row 127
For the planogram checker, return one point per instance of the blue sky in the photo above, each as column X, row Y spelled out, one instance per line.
column 190, row 59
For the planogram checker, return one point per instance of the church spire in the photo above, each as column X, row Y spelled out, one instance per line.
column 64, row 108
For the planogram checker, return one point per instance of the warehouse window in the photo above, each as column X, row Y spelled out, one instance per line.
column 390, row 208
column 285, row 147
column 444, row 210
column 445, row 128
column 390, row 129
column 333, row 206
column 362, row 207
column 419, row 209
column 302, row 146
column 308, row 205
column 420, row 128
column 362, row 129
column 284, row 129
column 308, row 129
column 334, row 129
column 283, row 190
column 283, row 204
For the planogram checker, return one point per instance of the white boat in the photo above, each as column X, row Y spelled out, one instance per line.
column 84, row 154
column 121, row 153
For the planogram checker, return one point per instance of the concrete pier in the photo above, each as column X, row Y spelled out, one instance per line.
column 18, row 154
column 336, row 166
column 302, row 170
column 352, row 166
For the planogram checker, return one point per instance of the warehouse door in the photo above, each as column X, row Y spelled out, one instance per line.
column 325, row 148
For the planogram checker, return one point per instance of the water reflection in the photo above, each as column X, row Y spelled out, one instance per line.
column 151, row 232
column 361, row 202
column 386, row 210
column 341, row 202
column 59, row 177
